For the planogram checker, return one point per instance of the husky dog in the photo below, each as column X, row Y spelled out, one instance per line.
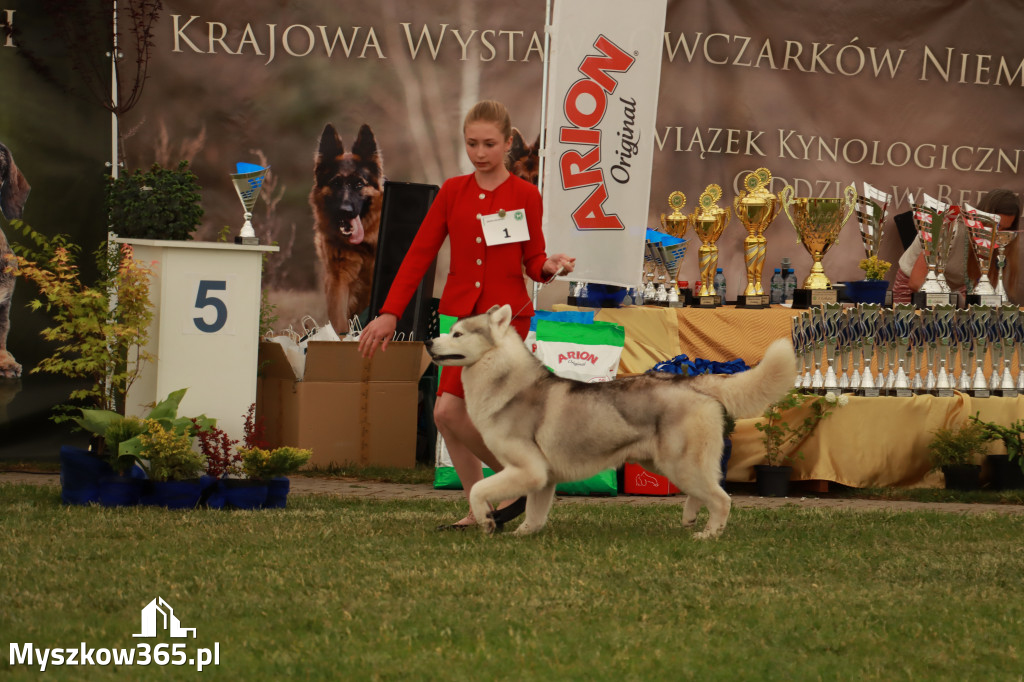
column 545, row 429
column 347, row 198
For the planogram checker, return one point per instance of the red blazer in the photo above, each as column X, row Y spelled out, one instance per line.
column 480, row 276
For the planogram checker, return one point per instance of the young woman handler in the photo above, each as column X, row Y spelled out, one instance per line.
column 486, row 269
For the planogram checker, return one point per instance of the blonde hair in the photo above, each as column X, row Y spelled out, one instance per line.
column 491, row 111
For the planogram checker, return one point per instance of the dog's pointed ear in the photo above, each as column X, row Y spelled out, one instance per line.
column 325, row 163
column 366, row 145
column 518, row 149
column 500, row 319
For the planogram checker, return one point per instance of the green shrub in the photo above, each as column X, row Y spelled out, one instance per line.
column 958, row 447
column 162, row 203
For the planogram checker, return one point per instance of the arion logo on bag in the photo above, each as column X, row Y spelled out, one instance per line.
column 158, row 615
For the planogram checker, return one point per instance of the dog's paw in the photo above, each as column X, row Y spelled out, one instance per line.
column 489, row 526
column 9, row 369
column 524, row 529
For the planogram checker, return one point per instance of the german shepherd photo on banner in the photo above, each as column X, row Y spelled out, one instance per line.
column 346, row 199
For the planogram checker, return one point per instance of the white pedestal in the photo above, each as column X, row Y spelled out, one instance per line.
column 205, row 329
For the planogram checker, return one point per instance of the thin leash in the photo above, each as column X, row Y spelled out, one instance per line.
column 543, row 284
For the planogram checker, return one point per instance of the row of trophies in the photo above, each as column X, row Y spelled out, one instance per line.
column 818, row 222
column 871, row 350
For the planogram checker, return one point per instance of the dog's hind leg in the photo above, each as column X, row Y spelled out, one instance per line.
column 510, row 482
column 538, row 505
column 690, row 510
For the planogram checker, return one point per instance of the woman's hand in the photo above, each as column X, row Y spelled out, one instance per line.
column 380, row 331
column 558, row 264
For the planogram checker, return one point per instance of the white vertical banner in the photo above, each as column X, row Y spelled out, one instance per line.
column 604, row 69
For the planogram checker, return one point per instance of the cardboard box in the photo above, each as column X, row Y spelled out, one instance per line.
column 639, row 481
column 347, row 410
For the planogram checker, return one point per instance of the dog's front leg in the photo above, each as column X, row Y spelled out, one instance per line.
column 538, row 505
column 509, row 483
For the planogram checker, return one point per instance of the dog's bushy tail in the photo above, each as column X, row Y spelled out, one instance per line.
column 749, row 393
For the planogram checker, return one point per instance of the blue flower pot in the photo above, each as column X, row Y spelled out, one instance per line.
column 80, row 473
column 867, row 290
column 277, row 493
column 120, row 491
column 243, row 493
column 172, row 494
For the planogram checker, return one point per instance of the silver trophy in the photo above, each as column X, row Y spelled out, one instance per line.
column 1018, row 341
column 922, row 377
column 869, row 316
column 1009, row 315
column 943, row 335
column 982, row 228
column 855, row 343
column 979, row 318
column 936, row 232
column 1003, row 239
column 248, row 181
column 965, row 344
column 831, row 319
column 904, row 319
column 671, row 254
column 871, row 210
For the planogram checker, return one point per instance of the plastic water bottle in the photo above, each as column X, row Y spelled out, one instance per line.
column 788, row 284
column 775, row 286
column 719, row 283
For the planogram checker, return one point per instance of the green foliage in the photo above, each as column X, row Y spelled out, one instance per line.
column 260, row 463
column 118, row 432
column 1012, row 437
column 169, row 455
column 99, row 329
column 874, row 267
column 958, row 447
column 781, row 438
column 162, row 203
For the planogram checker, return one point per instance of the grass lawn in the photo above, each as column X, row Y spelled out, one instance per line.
column 345, row 589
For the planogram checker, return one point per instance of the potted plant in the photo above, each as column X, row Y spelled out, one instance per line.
column 273, row 466
column 1007, row 471
column 173, row 465
column 782, row 439
column 96, row 327
column 161, row 203
column 872, row 288
column 956, row 452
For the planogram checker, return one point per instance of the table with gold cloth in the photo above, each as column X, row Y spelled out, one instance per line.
column 871, row 442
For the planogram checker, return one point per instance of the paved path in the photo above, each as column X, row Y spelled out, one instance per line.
column 344, row 487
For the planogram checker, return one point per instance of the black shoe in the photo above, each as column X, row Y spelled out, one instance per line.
column 506, row 514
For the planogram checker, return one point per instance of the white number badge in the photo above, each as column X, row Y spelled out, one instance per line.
column 505, row 227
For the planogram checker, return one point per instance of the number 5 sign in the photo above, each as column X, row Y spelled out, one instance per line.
column 213, row 304
column 205, row 329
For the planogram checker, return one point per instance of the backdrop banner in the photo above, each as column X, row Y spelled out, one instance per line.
column 602, row 105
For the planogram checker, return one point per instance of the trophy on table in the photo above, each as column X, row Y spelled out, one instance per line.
column 935, row 223
column 979, row 318
column 831, row 318
column 942, row 335
column 248, row 181
column 671, row 251
column 1003, row 239
column 965, row 345
column 871, row 210
column 675, row 224
column 799, row 348
column 756, row 207
column 1018, row 341
column 817, row 221
column 904, row 318
column 869, row 315
column 709, row 221
column 983, row 229
column 1009, row 316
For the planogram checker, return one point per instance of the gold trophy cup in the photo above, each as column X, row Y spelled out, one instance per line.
column 817, row 221
column 709, row 221
column 676, row 222
column 756, row 207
